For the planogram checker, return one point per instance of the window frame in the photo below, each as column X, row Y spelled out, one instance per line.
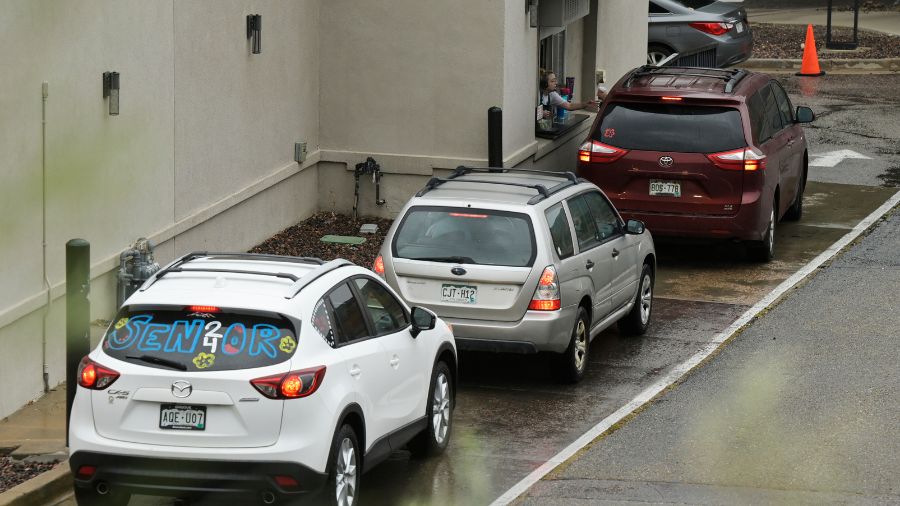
column 340, row 342
column 620, row 225
column 779, row 93
column 573, row 240
column 368, row 316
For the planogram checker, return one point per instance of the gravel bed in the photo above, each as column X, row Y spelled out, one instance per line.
column 302, row 239
column 785, row 41
column 14, row 472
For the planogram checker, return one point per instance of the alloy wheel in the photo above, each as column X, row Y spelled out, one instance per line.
column 580, row 345
column 345, row 482
column 440, row 409
column 654, row 57
column 771, row 233
column 646, row 299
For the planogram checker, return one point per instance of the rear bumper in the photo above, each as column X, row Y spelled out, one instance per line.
column 734, row 51
column 748, row 224
column 192, row 477
column 536, row 331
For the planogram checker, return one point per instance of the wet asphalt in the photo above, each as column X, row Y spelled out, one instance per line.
column 512, row 414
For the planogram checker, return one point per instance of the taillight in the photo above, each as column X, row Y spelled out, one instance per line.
column 85, row 472
column 546, row 296
column 378, row 266
column 292, row 385
column 94, row 376
column 748, row 159
column 597, row 152
column 713, row 28
column 202, row 309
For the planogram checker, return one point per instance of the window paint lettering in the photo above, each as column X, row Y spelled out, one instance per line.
column 125, row 336
column 150, row 340
column 234, row 339
column 265, row 340
column 211, row 339
column 184, row 336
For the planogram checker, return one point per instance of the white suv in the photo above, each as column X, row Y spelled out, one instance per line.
column 262, row 376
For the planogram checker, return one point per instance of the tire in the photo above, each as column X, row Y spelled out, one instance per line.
column 657, row 53
column 795, row 212
column 344, row 469
column 90, row 497
column 438, row 413
column 573, row 362
column 637, row 321
column 764, row 251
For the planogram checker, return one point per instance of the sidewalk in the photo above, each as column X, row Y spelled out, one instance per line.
column 880, row 21
column 800, row 408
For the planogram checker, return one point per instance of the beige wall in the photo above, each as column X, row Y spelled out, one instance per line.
column 201, row 154
column 622, row 36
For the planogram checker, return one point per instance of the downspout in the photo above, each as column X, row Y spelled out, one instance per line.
column 46, row 370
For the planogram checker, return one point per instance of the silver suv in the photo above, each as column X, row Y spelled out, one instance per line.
column 521, row 261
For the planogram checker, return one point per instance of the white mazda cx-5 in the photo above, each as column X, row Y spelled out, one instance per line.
column 265, row 377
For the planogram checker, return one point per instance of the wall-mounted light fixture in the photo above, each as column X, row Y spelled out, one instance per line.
column 111, row 90
column 531, row 7
column 254, row 32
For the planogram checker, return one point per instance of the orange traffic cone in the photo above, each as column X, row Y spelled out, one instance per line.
column 810, row 64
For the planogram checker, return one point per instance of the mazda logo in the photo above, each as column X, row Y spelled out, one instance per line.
column 666, row 161
column 181, row 389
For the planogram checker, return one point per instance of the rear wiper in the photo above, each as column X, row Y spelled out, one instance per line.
column 457, row 260
column 158, row 361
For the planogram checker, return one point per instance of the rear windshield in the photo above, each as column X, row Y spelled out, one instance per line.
column 199, row 341
column 465, row 235
column 673, row 128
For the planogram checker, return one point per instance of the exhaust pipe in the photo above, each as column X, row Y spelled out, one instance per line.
column 102, row 488
column 268, row 497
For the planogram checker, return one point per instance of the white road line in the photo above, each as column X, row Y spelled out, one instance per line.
column 683, row 368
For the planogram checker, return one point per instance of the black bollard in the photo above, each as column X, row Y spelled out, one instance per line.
column 495, row 137
column 78, row 315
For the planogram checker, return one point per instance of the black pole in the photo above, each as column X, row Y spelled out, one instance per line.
column 828, row 27
column 78, row 314
column 495, row 137
column 855, row 24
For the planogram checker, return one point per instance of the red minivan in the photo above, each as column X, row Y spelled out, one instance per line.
column 701, row 153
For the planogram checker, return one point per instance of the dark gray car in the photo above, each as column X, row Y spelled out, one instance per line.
column 704, row 33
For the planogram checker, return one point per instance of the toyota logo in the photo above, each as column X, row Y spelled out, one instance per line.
column 666, row 161
column 181, row 389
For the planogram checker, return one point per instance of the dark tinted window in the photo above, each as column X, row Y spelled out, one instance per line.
column 386, row 312
column 656, row 9
column 784, row 105
column 758, row 125
column 321, row 321
column 559, row 231
column 350, row 321
column 218, row 341
column 464, row 235
column 674, row 128
column 773, row 115
column 605, row 218
column 585, row 230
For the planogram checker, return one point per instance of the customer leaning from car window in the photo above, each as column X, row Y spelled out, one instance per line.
column 551, row 97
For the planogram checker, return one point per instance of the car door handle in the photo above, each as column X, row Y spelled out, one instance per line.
column 395, row 361
column 355, row 371
column 615, row 253
column 790, row 142
column 589, row 264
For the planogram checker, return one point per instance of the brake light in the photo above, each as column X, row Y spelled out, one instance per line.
column 202, row 309
column 467, row 215
column 94, row 376
column 713, row 28
column 597, row 152
column 671, row 99
column 746, row 159
column 378, row 266
column 292, row 385
column 546, row 295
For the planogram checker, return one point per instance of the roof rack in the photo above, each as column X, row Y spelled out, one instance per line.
column 315, row 274
column 176, row 266
column 730, row 76
column 569, row 179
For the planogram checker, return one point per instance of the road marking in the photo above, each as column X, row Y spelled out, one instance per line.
column 832, row 158
column 682, row 369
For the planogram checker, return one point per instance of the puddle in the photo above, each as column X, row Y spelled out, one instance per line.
column 891, row 178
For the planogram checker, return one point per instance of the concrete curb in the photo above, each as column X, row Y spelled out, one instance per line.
column 41, row 489
column 827, row 64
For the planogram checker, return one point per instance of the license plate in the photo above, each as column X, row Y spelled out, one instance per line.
column 182, row 417
column 665, row 188
column 739, row 27
column 460, row 294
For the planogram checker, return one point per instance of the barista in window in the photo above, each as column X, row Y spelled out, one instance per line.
column 551, row 97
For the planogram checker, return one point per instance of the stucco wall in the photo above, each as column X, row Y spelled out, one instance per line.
column 622, row 36
column 201, row 153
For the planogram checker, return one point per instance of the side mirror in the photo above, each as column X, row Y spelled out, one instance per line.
column 635, row 227
column 422, row 319
column 805, row 114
